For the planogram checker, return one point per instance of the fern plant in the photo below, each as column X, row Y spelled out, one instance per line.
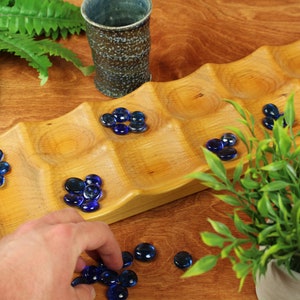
column 30, row 28
column 264, row 194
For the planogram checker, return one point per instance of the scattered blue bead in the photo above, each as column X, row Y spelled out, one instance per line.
column 91, row 273
column 74, row 185
column 137, row 117
column 2, row 180
column 73, row 199
column 109, row 277
column 127, row 259
column 271, row 110
column 137, row 127
column 121, row 114
column 93, row 179
column 117, row 292
column 108, row 120
column 268, row 122
column 144, row 252
column 228, row 153
column 128, row 278
column 183, row 260
column 4, row 168
column 79, row 280
column 229, row 139
column 1, row 155
column 215, row 145
column 90, row 206
column 92, row 192
column 120, row 129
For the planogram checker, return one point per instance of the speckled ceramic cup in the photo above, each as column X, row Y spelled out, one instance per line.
column 119, row 37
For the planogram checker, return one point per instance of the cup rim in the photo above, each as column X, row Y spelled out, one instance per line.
column 125, row 27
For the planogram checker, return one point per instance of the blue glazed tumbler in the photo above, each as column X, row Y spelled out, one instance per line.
column 119, row 37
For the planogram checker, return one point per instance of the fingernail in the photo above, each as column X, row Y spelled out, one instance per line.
column 93, row 293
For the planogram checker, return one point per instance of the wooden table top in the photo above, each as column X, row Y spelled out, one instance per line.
column 185, row 35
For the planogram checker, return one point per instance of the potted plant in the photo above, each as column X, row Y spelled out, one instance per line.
column 264, row 193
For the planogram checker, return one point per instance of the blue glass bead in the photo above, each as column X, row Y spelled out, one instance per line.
column 127, row 259
column 90, row 206
column 109, row 277
column 93, row 179
column 121, row 114
column 1, row 155
column 128, row 278
column 228, row 139
column 138, row 127
column 183, row 260
column 4, row 167
column 215, row 145
column 271, row 110
column 2, row 180
column 268, row 122
column 137, row 117
column 228, row 153
column 144, row 252
column 74, row 185
column 79, row 280
column 117, row 292
column 92, row 192
column 73, row 199
column 108, row 120
column 120, row 129
column 91, row 273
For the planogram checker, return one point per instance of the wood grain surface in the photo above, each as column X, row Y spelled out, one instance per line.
column 185, row 36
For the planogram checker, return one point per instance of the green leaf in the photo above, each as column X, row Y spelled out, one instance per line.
column 265, row 207
column 289, row 111
column 211, row 239
column 275, row 166
column 215, row 165
column 220, row 228
column 282, row 138
column 231, row 200
column 250, row 184
column 238, row 172
column 202, row 266
column 275, row 186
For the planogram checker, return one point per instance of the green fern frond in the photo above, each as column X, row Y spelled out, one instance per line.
column 53, row 18
column 25, row 47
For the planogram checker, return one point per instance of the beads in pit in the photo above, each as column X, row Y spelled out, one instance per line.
column 223, row 146
column 122, row 121
column 272, row 114
column 84, row 194
column 4, row 168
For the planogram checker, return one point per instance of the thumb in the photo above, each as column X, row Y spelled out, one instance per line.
column 85, row 292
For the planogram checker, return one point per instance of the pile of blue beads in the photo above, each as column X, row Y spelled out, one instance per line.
column 117, row 282
column 223, row 147
column 4, row 168
column 84, row 194
column 271, row 113
column 122, row 121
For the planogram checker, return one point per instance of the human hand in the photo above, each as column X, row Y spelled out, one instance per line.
column 38, row 260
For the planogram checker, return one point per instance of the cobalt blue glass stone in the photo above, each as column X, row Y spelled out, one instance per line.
column 137, row 117
column 127, row 259
column 93, row 179
column 79, row 280
column 117, row 292
column 4, row 167
column 109, row 277
column 73, row 199
column 128, row 278
column 120, row 129
column 121, row 114
column 90, row 206
column 215, row 145
column 138, row 127
column 271, row 110
column 92, row 192
column 108, row 120
column 74, row 185
column 145, row 252
column 183, row 260
column 268, row 122
column 1, row 155
column 228, row 139
column 2, row 180
column 228, row 153
column 91, row 273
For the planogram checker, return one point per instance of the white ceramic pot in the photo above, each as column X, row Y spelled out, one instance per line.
column 278, row 284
